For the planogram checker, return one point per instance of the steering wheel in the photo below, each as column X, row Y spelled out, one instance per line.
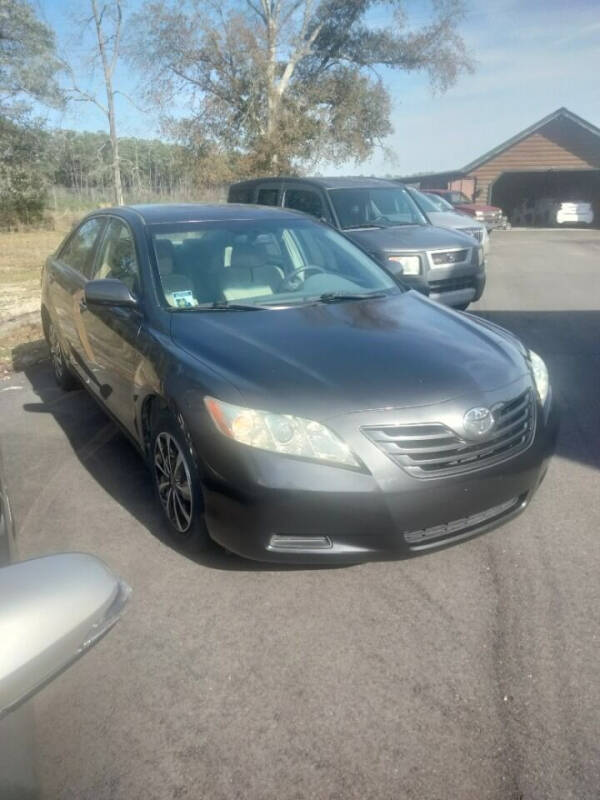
column 382, row 217
column 290, row 282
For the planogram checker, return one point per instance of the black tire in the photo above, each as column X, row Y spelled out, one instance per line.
column 182, row 508
column 61, row 370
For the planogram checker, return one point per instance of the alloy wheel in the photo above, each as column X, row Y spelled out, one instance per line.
column 173, row 481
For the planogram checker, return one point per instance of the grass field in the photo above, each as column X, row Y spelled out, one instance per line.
column 22, row 254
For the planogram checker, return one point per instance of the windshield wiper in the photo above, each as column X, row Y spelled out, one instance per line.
column 340, row 297
column 365, row 225
column 225, row 305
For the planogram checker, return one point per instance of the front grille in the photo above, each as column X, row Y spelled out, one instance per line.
column 477, row 233
column 449, row 257
column 433, row 450
column 464, row 525
column 492, row 216
column 451, row 285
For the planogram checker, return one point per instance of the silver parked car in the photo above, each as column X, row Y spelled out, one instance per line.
column 52, row 610
column 439, row 212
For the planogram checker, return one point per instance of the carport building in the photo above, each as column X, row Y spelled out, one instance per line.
column 558, row 157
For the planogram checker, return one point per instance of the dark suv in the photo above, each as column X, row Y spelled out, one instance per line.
column 382, row 218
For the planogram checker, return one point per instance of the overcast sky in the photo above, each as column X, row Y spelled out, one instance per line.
column 532, row 57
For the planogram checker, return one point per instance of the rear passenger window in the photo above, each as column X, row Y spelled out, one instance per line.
column 304, row 200
column 268, row 197
column 240, row 194
column 77, row 252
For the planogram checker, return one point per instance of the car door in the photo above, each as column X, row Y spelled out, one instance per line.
column 109, row 335
column 67, row 273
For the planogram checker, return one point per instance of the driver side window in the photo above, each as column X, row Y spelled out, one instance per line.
column 304, row 200
column 117, row 257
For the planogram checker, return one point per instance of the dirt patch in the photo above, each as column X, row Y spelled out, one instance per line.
column 22, row 254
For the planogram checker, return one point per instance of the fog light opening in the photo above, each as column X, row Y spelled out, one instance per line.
column 280, row 542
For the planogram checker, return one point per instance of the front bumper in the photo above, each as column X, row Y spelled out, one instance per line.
column 451, row 287
column 380, row 512
column 563, row 218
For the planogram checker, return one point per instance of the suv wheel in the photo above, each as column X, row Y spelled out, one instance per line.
column 177, row 485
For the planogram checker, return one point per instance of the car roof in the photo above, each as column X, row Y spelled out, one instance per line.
column 323, row 183
column 155, row 214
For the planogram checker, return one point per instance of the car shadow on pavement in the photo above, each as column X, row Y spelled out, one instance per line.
column 116, row 465
column 567, row 340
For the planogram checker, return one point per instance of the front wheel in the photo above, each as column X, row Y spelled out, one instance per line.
column 177, row 485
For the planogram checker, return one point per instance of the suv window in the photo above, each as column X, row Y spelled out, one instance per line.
column 268, row 197
column 78, row 250
column 304, row 200
column 240, row 194
column 117, row 256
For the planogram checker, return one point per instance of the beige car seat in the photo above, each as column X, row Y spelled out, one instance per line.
column 178, row 289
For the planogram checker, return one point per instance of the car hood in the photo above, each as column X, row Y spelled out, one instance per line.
column 322, row 360
column 449, row 219
column 406, row 238
column 473, row 207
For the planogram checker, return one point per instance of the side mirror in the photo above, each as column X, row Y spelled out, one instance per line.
column 52, row 610
column 108, row 292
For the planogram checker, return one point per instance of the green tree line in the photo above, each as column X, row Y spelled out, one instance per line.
column 43, row 170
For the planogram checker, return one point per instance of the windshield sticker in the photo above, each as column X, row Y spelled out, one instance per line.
column 184, row 299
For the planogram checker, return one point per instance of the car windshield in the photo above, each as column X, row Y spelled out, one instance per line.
column 440, row 202
column 375, row 208
column 427, row 203
column 459, row 197
column 248, row 264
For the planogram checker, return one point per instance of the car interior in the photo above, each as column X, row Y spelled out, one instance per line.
column 208, row 270
column 222, row 266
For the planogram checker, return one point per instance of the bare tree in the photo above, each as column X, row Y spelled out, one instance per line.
column 108, row 25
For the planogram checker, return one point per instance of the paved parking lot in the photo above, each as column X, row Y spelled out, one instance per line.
column 471, row 673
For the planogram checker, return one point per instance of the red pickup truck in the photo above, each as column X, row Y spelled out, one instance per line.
column 491, row 216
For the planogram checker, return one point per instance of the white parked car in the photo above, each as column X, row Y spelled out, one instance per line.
column 574, row 212
column 548, row 211
column 440, row 213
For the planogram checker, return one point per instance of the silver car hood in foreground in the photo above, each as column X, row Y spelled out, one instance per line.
column 459, row 222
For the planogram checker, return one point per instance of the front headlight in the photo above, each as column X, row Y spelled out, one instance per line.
column 540, row 376
column 479, row 214
column 279, row 433
column 411, row 265
column 480, row 256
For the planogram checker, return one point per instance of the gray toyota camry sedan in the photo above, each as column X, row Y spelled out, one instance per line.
column 294, row 401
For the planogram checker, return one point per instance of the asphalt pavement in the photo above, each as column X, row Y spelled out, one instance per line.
column 467, row 674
